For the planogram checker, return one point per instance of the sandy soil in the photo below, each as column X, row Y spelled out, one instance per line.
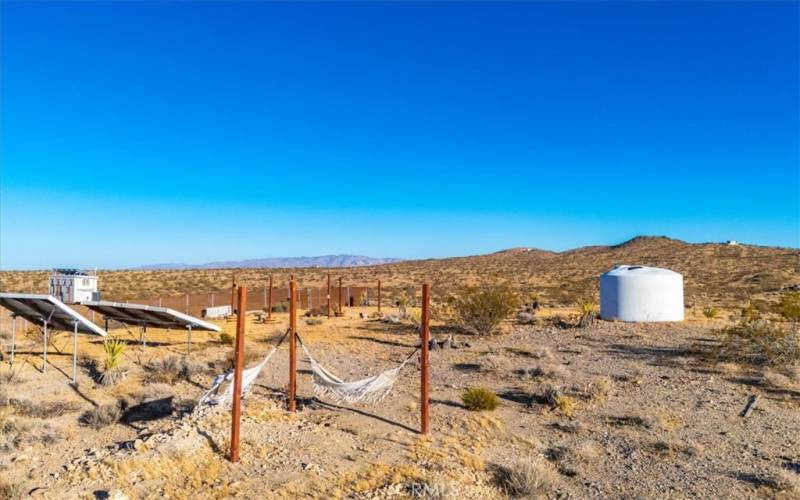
column 649, row 416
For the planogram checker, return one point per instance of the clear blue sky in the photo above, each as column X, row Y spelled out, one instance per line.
column 136, row 133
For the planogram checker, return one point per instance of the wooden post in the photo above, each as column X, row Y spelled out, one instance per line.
column 293, row 346
column 329, row 295
column 233, row 297
column 424, row 372
column 236, row 412
column 269, row 301
column 340, row 296
column 379, row 296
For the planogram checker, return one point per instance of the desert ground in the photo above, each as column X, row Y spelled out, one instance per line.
column 612, row 410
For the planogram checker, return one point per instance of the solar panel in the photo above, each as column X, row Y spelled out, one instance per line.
column 144, row 315
column 39, row 308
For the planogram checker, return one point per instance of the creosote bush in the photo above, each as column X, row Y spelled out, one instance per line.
column 531, row 479
column 789, row 306
column 41, row 409
column 750, row 313
column 762, row 343
column 101, row 416
column 168, row 370
column 281, row 307
column 481, row 310
column 710, row 312
column 226, row 338
column 478, row 399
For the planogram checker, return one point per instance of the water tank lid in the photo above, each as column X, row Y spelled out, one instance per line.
column 629, row 270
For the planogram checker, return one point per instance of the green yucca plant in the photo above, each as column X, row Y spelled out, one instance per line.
column 113, row 349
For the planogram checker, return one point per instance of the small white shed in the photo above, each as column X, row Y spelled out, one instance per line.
column 643, row 294
column 72, row 286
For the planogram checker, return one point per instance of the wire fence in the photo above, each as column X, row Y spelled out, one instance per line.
column 257, row 299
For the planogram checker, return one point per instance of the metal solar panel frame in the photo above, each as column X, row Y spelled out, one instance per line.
column 49, row 313
column 144, row 315
column 39, row 308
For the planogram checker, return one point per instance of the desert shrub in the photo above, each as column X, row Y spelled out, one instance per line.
column 587, row 309
column 530, row 479
column 481, row 310
column 710, row 312
column 251, row 355
column 599, row 388
column 282, row 306
column 478, row 399
column 168, row 370
column 11, row 490
column 565, row 404
column 316, row 311
column 43, row 409
column 15, row 434
column 10, row 376
column 101, row 416
column 525, row 318
column 761, row 342
column 555, row 397
column 750, row 313
column 546, row 370
column 113, row 373
column 789, row 306
column 226, row 338
column 314, row 321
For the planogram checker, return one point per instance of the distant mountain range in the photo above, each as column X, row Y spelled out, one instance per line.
column 279, row 262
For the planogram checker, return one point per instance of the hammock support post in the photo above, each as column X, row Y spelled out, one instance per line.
column 379, row 296
column 340, row 296
column 424, row 372
column 236, row 410
column 293, row 346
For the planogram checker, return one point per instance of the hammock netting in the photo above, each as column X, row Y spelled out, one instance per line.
column 368, row 390
column 221, row 390
column 326, row 385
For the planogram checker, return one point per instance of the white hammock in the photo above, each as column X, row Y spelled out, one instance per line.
column 369, row 390
column 221, row 390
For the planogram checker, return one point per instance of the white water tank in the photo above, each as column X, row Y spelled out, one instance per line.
column 639, row 293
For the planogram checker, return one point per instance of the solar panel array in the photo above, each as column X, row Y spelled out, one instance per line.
column 39, row 308
column 144, row 315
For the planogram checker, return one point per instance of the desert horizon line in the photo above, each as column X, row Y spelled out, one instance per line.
column 371, row 261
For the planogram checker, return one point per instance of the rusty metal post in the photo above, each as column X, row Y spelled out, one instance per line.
column 269, row 299
column 340, row 296
column 424, row 369
column 379, row 296
column 236, row 412
column 293, row 346
column 329, row 295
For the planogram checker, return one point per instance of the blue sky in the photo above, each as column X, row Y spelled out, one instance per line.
column 136, row 133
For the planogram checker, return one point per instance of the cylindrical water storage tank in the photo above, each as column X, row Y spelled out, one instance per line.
column 639, row 293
